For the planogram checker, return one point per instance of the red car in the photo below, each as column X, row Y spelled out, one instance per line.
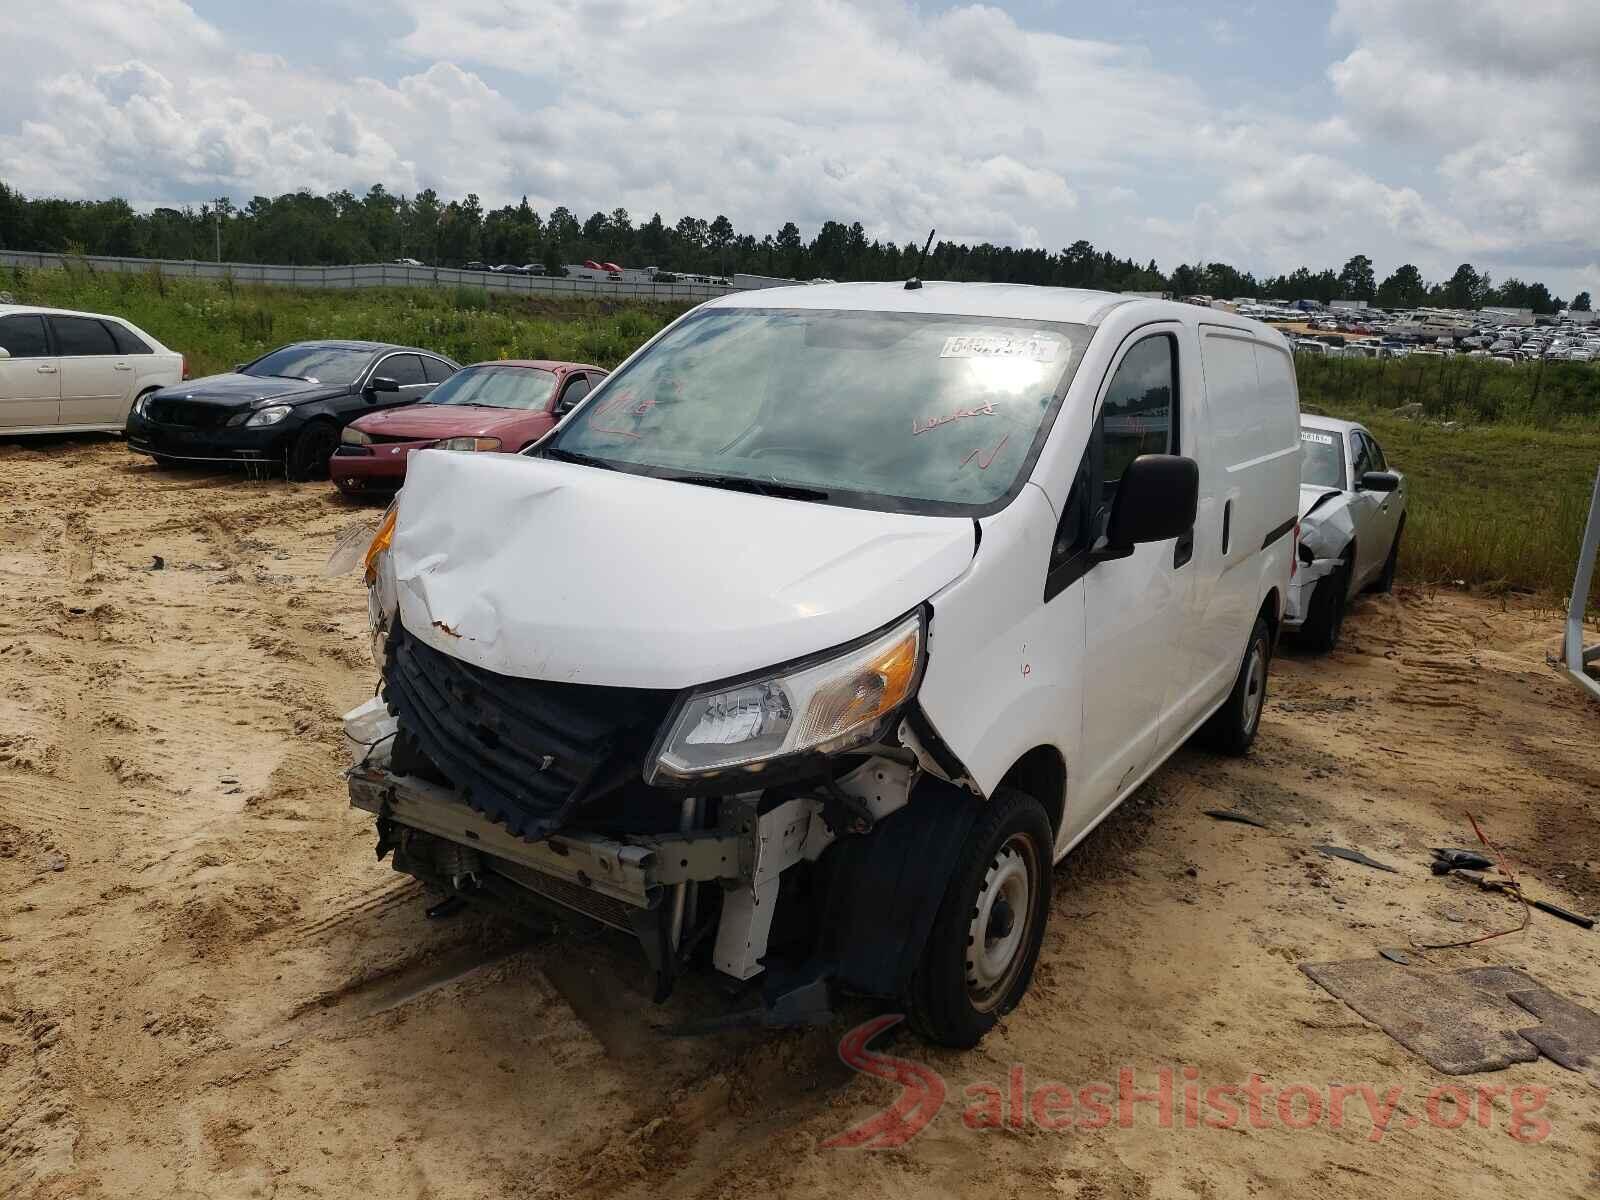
column 490, row 406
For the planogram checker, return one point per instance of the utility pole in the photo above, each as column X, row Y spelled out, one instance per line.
column 216, row 211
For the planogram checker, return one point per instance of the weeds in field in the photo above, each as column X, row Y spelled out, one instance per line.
column 218, row 325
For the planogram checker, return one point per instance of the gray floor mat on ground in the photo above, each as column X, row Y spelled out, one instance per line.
column 1567, row 1032
column 1457, row 1026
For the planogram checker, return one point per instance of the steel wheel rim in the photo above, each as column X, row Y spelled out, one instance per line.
column 1255, row 685
column 997, row 947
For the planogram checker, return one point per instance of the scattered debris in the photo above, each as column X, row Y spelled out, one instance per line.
column 1397, row 956
column 1512, row 887
column 1354, row 856
column 1445, row 861
column 1233, row 814
column 157, row 563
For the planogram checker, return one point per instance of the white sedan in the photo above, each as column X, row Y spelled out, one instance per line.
column 72, row 372
column 1352, row 515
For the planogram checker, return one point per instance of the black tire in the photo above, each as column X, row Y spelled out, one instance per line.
column 311, row 450
column 1325, row 620
column 1384, row 584
column 962, row 987
column 1232, row 728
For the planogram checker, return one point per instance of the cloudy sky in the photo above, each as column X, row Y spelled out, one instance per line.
column 1266, row 134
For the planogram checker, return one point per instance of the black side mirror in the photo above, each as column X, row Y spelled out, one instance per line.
column 381, row 383
column 1157, row 498
column 1379, row 481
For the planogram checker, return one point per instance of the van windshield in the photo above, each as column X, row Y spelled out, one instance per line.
column 899, row 411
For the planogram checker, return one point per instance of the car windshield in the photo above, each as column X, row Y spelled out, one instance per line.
column 526, row 388
column 1321, row 458
column 318, row 364
column 901, row 411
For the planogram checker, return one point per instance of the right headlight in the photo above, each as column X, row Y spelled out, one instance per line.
column 821, row 707
column 270, row 415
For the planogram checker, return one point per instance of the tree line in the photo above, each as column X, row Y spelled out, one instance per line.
column 303, row 229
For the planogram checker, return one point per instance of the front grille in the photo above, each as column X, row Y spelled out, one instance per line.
column 523, row 751
column 187, row 413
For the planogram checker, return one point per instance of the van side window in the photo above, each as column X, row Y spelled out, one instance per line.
column 1138, row 414
column 1139, row 417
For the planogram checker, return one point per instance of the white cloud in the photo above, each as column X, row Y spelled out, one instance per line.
column 1503, row 99
column 873, row 110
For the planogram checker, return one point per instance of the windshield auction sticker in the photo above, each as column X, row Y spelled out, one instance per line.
column 1321, row 439
column 1032, row 347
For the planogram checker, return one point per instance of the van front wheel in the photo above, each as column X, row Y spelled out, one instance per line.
column 1232, row 727
column 985, row 940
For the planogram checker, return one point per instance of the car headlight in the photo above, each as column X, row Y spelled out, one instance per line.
column 270, row 415
column 351, row 436
column 381, row 541
column 818, row 707
column 468, row 443
column 141, row 402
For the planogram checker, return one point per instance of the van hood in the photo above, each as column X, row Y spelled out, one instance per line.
column 559, row 571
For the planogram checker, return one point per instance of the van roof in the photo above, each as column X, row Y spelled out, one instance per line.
column 1017, row 301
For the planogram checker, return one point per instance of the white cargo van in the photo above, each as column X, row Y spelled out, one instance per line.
column 830, row 621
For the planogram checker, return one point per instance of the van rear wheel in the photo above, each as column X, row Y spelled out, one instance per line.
column 985, row 940
column 1232, row 728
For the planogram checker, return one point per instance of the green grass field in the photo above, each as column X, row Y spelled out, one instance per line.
column 218, row 326
column 1498, row 503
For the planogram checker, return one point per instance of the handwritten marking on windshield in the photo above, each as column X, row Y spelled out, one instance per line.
column 983, row 463
column 610, row 406
column 985, row 410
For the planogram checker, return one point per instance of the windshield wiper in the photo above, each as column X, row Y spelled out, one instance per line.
column 572, row 456
column 759, row 487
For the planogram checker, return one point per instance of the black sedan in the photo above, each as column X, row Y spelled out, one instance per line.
column 286, row 407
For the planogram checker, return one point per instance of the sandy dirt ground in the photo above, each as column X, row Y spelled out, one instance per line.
column 209, row 987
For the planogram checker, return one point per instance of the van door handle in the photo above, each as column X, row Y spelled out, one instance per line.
column 121, row 367
column 45, row 369
column 1183, row 550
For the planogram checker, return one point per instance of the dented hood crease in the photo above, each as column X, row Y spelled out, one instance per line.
column 549, row 570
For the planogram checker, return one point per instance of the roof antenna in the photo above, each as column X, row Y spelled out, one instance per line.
column 915, row 282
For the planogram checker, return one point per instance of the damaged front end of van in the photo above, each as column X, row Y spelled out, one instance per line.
column 564, row 758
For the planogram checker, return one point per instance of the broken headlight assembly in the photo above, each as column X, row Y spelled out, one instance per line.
column 821, row 705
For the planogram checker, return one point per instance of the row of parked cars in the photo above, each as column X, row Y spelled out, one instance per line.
column 349, row 409
column 809, row 643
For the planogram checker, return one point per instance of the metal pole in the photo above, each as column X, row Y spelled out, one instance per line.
column 1574, row 654
column 680, row 894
